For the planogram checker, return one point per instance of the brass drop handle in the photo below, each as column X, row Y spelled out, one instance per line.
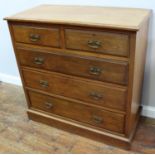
column 94, row 44
column 38, row 60
column 43, row 83
column 48, row 105
column 34, row 37
column 95, row 70
column 96, row 95
column 97, row 119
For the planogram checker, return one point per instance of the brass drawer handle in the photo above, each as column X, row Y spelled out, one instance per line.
column 48, row 105
column 94, row 44
column 95, row 70
column 96, row 95
column 43, row 83
column 97, row 119
column 38, row 60
column 34, row 37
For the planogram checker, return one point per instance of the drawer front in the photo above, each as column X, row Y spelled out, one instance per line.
column 98, row 69
column 45, row 36
column 86, row 114
column 100, row 42
column 83, row 90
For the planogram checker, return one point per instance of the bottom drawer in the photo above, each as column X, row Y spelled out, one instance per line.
column 79, row 112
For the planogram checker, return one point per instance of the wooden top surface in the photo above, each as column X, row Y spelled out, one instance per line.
column 118, row 18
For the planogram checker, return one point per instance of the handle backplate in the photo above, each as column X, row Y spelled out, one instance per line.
column 48, row 105
column 34, row 37
column 95, row 95
column 95, row 70
column 43, row 83
column 94, row 44
column 38, row 60
column 97, row 119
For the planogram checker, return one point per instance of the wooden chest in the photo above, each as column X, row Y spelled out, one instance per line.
column 82, row 68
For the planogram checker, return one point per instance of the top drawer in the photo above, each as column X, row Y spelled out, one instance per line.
column 98, row 41
column 45, row 36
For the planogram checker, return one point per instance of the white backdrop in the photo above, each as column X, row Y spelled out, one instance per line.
column 8, row 66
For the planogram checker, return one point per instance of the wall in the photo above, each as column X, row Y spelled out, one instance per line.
column 8, row 67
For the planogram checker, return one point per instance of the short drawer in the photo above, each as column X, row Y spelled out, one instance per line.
column 79, row 112
column 93, row 68
column 75, row 88
column 98, row 41
column 39, row 35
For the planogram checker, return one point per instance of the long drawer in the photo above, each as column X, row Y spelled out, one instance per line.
column 79, row 89
column 86, row 114
column 93, row 68
column 98, row 41
column 38, row 35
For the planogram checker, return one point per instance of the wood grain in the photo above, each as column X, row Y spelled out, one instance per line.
column 46, row 36
column 18, row 134
column 88, row 67
column 118, row 18
column 64, row 108
column 110, row 43
column 138, row 65
column 87, row 91
column 65, row 77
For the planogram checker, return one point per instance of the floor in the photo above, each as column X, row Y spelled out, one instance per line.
column 20, row 135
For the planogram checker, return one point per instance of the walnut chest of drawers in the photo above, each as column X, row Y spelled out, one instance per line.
column 82, row 68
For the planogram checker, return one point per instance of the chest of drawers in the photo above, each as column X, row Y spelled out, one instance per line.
column 82, row 68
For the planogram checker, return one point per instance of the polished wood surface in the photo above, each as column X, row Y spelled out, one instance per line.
column 97, row 41
column 93, row 116
column 33, row 34
column 118, row 18
column 18, row 134
column 80, row 89
column 89, row 66
column 139, row 45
